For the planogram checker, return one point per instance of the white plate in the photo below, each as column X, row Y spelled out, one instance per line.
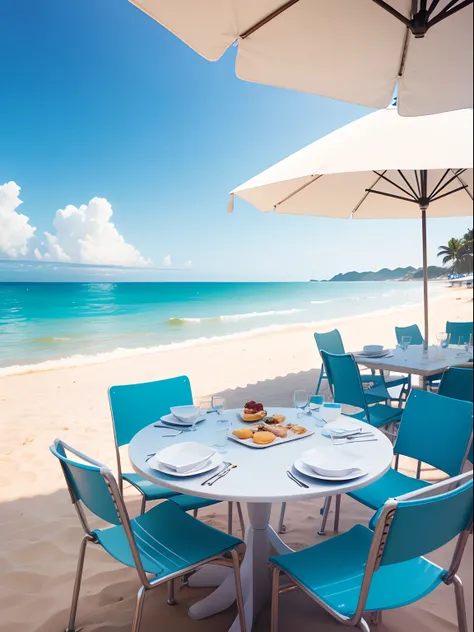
column 174, row 421
column 212, row 464
column 324, row 461
column 342, row 423
column 183, row 457
column 364, row 354
column 186, row 414
column 307, row 471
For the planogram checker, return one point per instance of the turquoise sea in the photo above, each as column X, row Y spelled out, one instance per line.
column 54, row 322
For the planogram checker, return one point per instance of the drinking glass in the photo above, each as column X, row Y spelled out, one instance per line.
column 218, row 404
column 300, row 399
column 443, row 339
column 315, row 404
column 405, row 343
column 222, row 429
column 468, row 345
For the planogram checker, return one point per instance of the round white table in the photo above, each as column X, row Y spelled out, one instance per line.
column 260, row 480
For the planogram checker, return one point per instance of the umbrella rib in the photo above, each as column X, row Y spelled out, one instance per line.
column 407, row 183
column 438, row 189
column 418, row 182
column 268, row 19
column 461, row 188
column 449, row 10
column 435, row 190
column 307, row 184
column 366, row 195
column 397, row 186
column 392, row 195
column 394, row 12
column 433, row 6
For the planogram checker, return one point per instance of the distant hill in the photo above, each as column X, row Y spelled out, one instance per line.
column 399, row 274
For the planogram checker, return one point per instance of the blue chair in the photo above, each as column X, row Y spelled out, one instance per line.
column 414, row 332
column 458, row 383
column 331, row 342
column 372, row 571
column 435, row 430
column 164, row 543
column 460, row 332
column 345, row 381
column 135, row 406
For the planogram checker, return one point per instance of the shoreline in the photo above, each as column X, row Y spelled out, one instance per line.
column 119, row 353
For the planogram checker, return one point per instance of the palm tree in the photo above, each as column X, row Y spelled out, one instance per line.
column 468, row 241
column 455, row 254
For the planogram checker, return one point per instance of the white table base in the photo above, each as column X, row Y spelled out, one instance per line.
column 255, row 573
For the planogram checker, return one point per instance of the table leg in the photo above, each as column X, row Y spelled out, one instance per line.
column 256, row 577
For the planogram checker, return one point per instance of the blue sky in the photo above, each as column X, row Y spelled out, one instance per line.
column 97, row 100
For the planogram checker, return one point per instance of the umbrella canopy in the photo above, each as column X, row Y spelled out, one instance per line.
column 382, row 166
column 352, row 51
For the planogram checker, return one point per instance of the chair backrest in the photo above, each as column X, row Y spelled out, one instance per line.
column 135, row 406
column 436, row 430
column 330, row 341
column 344, row 378
column 458, row 384
column 460, row 332
column 420, row 525
column 413, row 331
column 86, row 483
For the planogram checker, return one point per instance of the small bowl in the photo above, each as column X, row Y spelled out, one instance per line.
column 331, row 412
column 373, row 349
column 187, row 414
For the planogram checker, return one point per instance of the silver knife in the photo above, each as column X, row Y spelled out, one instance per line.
column 227, row 466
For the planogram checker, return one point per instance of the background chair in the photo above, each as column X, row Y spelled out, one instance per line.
column 372, row 571
column 425, row 434
column 165, row 543
column 458, row 383
column 135, row 406
column 460, row 332
column 331, row 342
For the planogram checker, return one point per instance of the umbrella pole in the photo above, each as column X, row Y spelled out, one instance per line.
column 425, row 276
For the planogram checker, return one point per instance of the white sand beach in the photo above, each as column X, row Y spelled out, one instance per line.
column 39, row 530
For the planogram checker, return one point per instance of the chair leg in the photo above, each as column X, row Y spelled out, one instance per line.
column 281, row 522
column 137, row 617
column 239, row 592
column 418, row 470
column 275, row 599
column 195, row 513
column 230, row 517
column 326, row 508
column 338, row 512
column 363, row 625
column 77, row 584
column 376, row 617
column 171, row 601
column 460, row 604
column 143, row 505
column 321, row 377
column 241, row 519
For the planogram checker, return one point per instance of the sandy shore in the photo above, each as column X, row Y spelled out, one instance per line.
column 38, row 527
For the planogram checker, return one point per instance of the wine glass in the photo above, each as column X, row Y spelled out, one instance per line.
column 218, row 404
column 404, row 344
column 468, row 345
column 300, row 399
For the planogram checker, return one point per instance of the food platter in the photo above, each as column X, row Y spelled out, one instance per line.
column 249, row 443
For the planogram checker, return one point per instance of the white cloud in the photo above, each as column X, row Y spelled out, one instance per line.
column 167, row 261
column 86, row 235
column 15, row 230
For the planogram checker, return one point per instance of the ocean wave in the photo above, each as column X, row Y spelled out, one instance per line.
column 123, row 353
column 232, row 318
column 323, row 302
column 48, row 339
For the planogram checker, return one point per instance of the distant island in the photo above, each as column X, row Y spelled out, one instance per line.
column 399, row 274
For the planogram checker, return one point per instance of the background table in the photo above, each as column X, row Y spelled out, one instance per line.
column 259, row 480
column 415, row 362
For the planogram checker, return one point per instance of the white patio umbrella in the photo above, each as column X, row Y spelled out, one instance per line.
column 382, row 166
column 352, row 50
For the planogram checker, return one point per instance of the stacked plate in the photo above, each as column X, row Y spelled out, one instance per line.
column 374, row 351
column 186, row 459
column 330, row 464
column 183, row 416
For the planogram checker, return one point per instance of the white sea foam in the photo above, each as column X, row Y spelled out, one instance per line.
column 121, row 352
column 323, row 302
column 232, row 318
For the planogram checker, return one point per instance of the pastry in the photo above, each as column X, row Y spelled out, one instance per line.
column 243, row 433
column 251, row 417
column 298, row 430
column 263, row 438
